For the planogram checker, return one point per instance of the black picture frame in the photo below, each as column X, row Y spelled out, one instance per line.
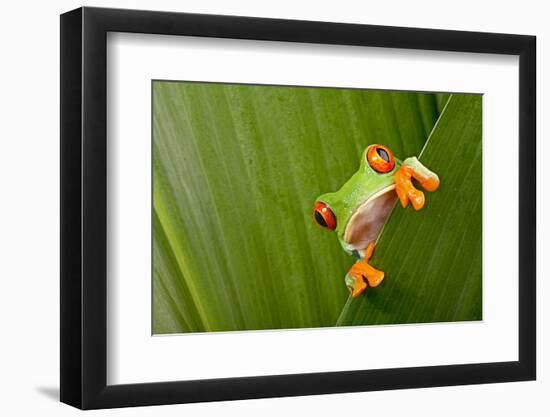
column 84, row 207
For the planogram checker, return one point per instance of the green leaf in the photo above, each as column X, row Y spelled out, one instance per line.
column 432, row 258
column 441, row 101
column 237, row 169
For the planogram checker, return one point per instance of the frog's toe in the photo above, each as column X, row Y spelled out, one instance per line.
column 428, row 179
column 375, row 277
column 359, row 287
column 361, row 276
column 417, row 198
column 355, row 283
column 406, row 191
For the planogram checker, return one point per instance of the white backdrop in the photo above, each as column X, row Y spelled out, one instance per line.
column 29, row 213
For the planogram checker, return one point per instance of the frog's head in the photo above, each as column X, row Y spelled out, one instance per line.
column 358, row 210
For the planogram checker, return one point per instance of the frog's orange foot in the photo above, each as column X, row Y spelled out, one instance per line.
column 406, row 191
column 362, row 275
column 356, row 284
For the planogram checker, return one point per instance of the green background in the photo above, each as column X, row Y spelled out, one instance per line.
column 237, row 169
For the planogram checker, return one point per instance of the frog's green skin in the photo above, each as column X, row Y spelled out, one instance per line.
column 359, row 209
column 363, row 204
column 366, row 184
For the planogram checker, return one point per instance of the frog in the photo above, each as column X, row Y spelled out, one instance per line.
column 358, row 211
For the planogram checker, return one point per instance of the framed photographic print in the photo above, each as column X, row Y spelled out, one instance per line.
column 258, row 207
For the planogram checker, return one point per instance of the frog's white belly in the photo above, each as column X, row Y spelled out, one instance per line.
column 367, row 222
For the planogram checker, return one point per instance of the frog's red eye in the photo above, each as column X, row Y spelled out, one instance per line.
column 380, row 158
column 324, row 215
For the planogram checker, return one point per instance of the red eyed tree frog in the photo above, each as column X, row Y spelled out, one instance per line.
column 358, row 211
